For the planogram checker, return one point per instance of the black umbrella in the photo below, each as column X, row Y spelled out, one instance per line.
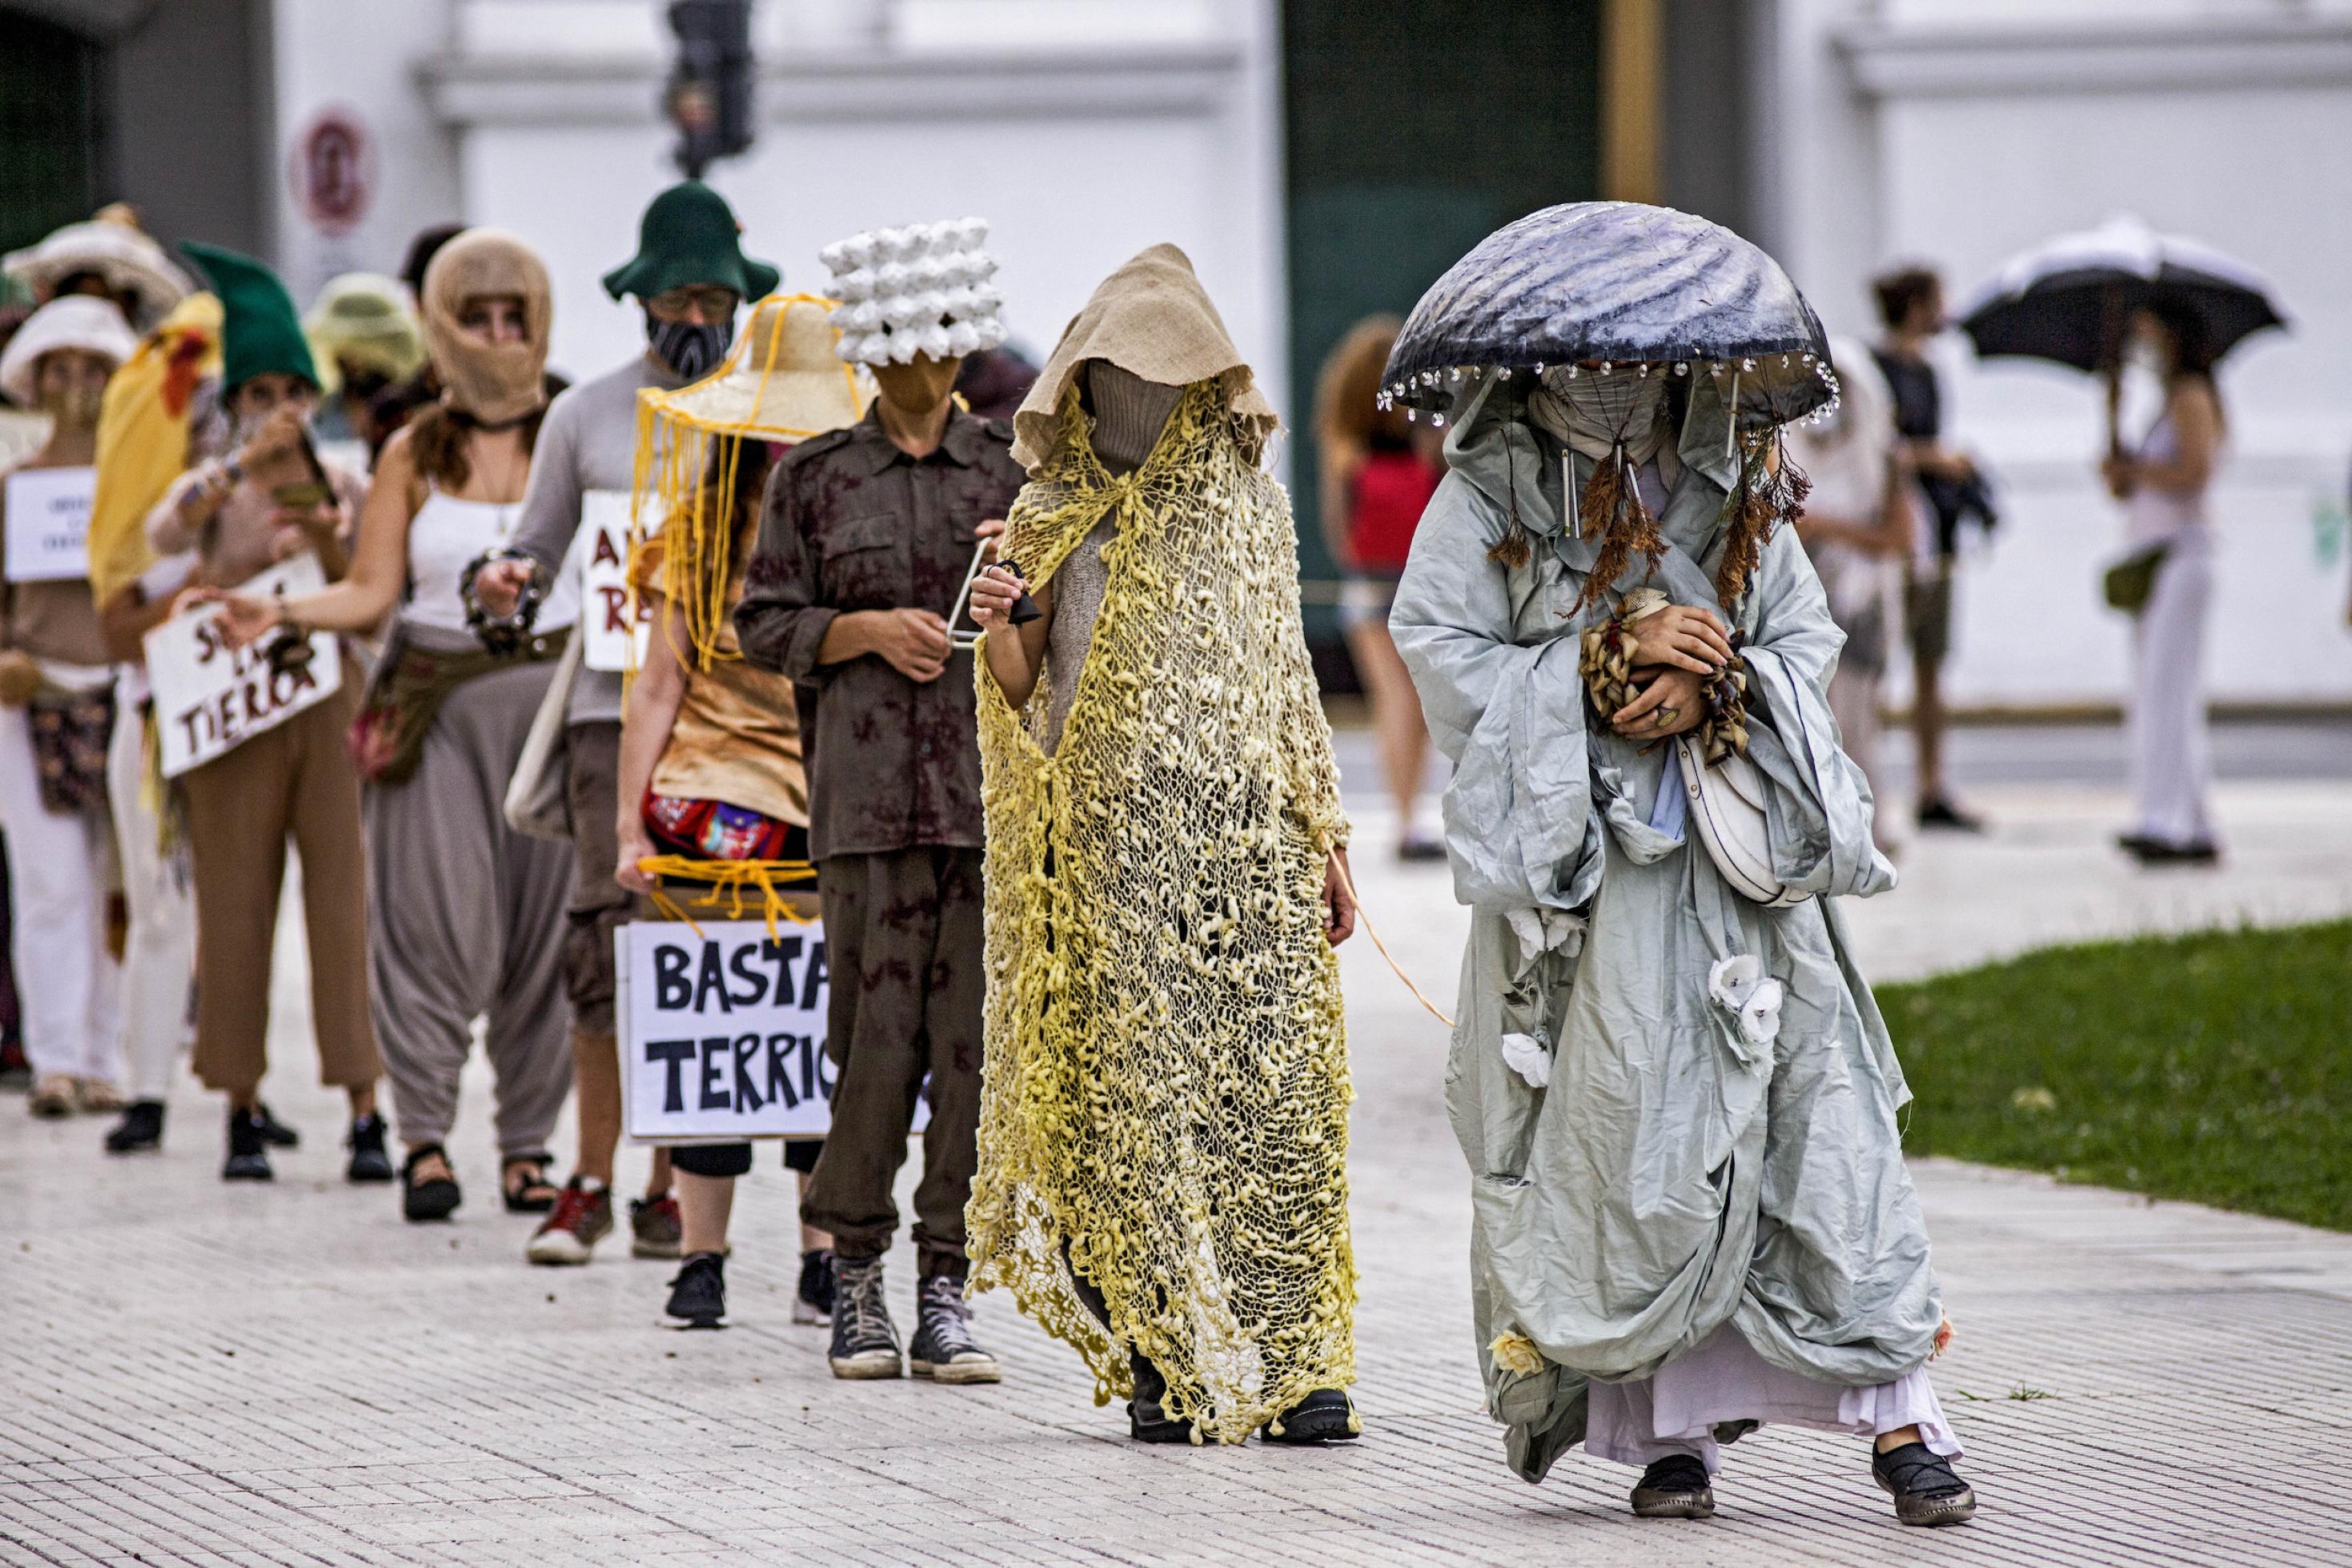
column 1620, row 282
column 2069, row 299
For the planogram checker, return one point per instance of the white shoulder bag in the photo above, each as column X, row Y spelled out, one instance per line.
column 1727, row 812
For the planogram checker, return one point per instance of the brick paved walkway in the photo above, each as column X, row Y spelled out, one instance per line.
column 197, row 1374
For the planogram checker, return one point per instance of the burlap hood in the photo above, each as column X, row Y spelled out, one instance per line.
column 1152, row 319
column 496, row 383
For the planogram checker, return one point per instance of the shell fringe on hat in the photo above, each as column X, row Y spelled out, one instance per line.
column 921, row 289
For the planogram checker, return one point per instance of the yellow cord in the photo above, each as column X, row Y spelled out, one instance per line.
column 734, row 882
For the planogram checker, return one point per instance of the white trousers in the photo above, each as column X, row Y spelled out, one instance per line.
column 1854, row 700
column 60, row 871
column 2171, row 768
column 159, row 955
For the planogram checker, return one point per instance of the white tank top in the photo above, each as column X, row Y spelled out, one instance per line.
column 2152, row 515
column 444, row 536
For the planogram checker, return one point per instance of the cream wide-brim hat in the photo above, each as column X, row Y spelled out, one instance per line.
column 124, row 256
column 76, row 321
column 782, row 381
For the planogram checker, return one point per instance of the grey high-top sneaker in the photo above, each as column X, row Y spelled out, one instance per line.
column 943, row 1349
column 865, row 1341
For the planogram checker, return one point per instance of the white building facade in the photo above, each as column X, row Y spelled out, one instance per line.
column 1956, row 131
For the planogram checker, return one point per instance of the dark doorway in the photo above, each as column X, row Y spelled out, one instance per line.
column 1414, row 128
column 49, row 128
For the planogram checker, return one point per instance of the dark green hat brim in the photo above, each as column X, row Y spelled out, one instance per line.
column 689, row 238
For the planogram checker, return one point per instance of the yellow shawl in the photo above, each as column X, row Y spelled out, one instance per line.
column 1166, row 1091
column 143, row 438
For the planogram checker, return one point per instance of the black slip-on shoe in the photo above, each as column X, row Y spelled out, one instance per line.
column 1676, row 1486
column 139, row 1132
column 1926, row 1489
column 698, row 1297
column 1940, row 814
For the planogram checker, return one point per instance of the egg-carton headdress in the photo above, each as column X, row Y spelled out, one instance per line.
column 921, row 289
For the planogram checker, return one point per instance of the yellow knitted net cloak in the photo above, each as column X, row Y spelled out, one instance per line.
column 1166, row 1090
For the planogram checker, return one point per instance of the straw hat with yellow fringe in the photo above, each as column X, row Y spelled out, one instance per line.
column 781, row 382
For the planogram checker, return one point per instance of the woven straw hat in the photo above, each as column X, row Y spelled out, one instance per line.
column 781, row 382
column 77, row 322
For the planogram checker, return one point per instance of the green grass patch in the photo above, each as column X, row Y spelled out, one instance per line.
column 2215, row 1068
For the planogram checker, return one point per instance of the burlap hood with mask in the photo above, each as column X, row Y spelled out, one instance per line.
column 1165, row 1108
column 1152, row 319
column 492, row 384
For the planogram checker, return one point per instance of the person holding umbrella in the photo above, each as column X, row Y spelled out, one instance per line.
column 1678, row 1101
column 2091, row 301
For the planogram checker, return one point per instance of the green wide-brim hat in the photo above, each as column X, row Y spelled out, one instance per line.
column 259, row 330
column 689, row 237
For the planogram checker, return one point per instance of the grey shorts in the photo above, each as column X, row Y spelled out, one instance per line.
column 1927, row 612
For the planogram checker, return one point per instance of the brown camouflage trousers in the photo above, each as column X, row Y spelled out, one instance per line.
column 903, row 946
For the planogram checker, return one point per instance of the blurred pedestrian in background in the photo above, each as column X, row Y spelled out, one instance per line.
column 396, row 405
column 169, row 387
column 109, row 255
column 294, row 782
column 1857, row 528
column 689, row 275
column 366, row 341
column 1911, row 306
column 867, row 536
column 2162, row 484
column 1378, row 471
column 464, row 914
column 710, row 745
column 57, row 713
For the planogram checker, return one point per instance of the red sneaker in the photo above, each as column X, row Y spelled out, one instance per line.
column 580, row 1220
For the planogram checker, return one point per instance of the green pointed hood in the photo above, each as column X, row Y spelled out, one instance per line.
column 260, row 331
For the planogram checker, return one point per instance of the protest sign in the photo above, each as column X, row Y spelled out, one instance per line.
column 209, row 697
column 613, row 642
column 724, row 1030
column 48, row 523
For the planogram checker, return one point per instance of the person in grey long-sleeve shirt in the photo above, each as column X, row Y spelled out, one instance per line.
column 691, row 276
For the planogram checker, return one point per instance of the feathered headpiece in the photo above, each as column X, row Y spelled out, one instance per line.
column 921, row 289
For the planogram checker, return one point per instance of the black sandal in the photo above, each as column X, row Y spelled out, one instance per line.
column 1926, row 1489
column 435, row 1197
column 532, row 1195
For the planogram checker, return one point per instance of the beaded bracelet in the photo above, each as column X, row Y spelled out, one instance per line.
column 500, row 634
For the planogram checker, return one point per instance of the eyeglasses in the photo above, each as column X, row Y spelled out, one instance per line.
column 714, row 304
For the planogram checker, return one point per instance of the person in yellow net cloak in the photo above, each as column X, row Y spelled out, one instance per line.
column 1163, row 1176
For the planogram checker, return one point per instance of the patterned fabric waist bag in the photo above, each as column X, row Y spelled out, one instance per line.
column 70, row 731
column 715, row 831
column 407, row 690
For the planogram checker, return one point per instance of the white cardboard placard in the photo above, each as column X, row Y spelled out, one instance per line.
column 722, row 1030
column 48, row 523
column 605, row 587
column 209, row 697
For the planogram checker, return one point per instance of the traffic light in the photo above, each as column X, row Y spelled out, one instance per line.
column 710, row 93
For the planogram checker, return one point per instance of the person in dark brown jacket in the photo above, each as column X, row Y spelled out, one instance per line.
column 866, row 536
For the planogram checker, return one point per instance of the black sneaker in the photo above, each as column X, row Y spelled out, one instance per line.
column 1926, row 1489
column 1937, row 812
column 865, row 1341
column 1326, row 1415
column 1674, row 1488
column 698, row 1297
column 368, row 1163
column 942, row 1349
column 275, row 1132
column 139, row 1132
column 248, row 1155
column 814, row 1301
